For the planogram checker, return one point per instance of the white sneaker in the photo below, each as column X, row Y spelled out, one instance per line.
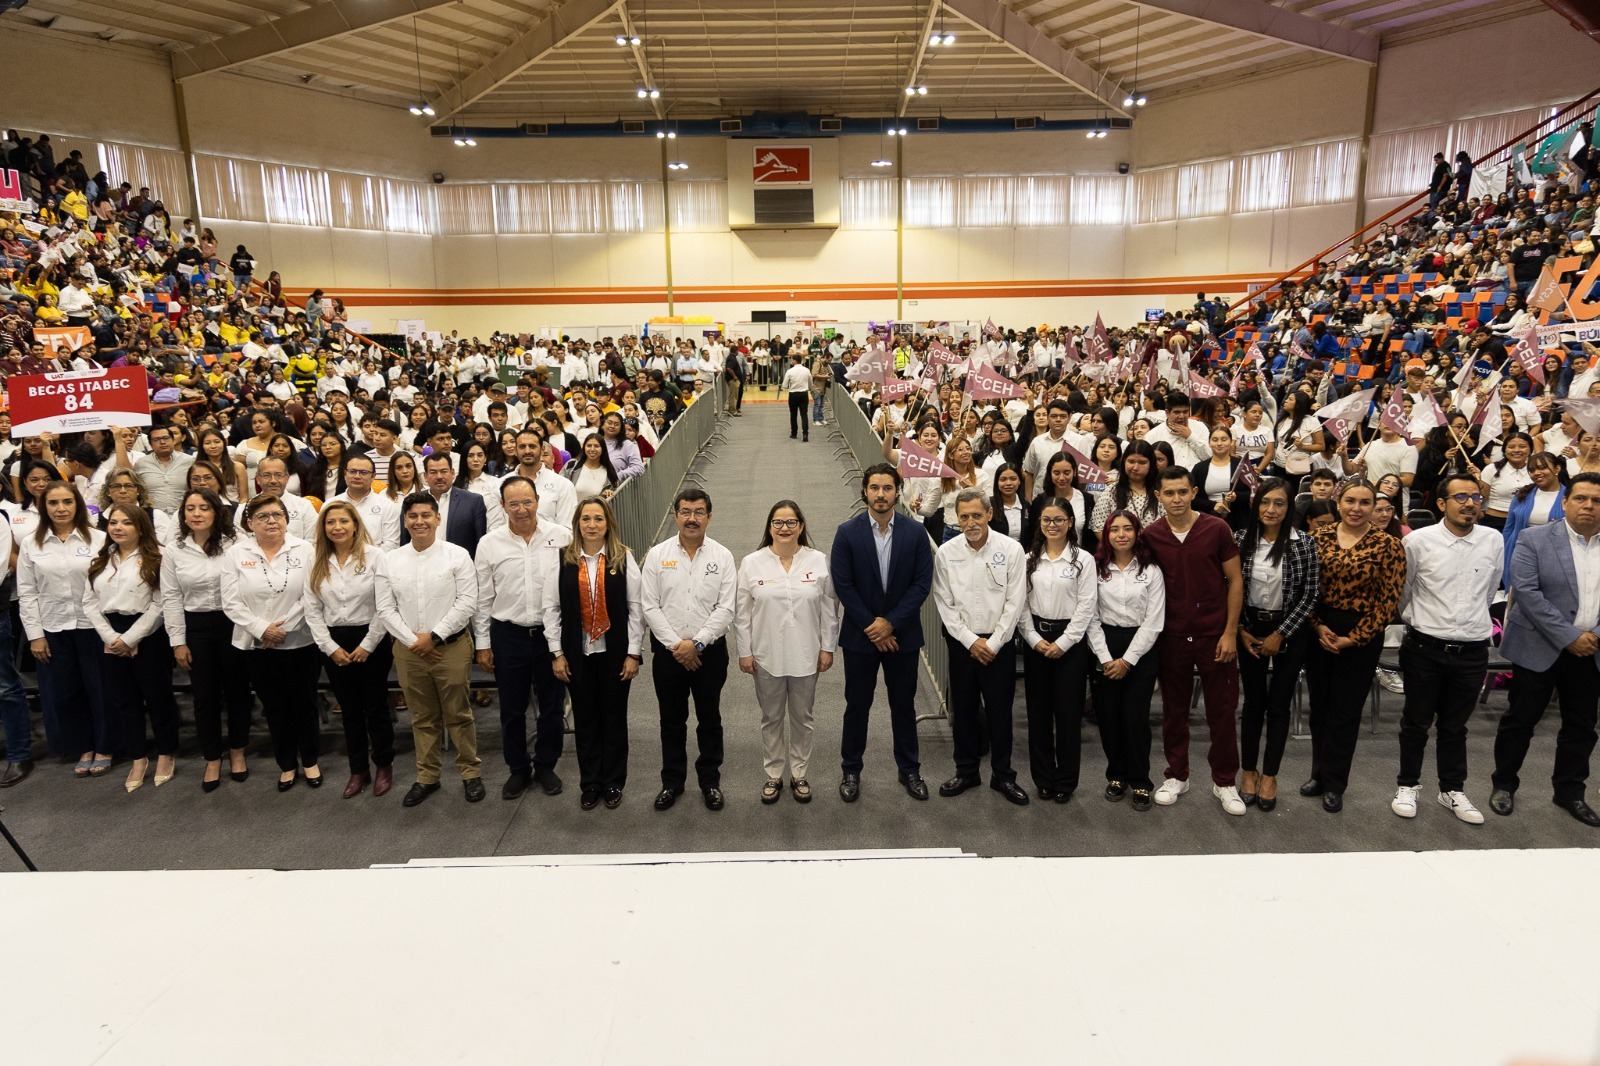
column 1391, row 680
column 1405, row 801
column 1170, row 790
column 1458, row 802
column 1230, row 799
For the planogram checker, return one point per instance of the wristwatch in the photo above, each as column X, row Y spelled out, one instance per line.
column 699, row 647
column 438, row 641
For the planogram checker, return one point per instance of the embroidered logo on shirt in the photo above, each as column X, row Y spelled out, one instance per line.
column 711, row 568
column 669, row 564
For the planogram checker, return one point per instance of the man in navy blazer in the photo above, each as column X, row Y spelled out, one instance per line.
column 882, row 570
column 1552, row 637
column 466, row 519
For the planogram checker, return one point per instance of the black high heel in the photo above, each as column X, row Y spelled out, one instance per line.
column 314, row 782
column 284, row 786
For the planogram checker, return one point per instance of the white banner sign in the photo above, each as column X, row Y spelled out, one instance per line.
column 1566, row 332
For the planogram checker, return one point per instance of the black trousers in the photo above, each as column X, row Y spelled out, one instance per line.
column 799, row 414
column 1576, row 682
column 900, row 686
column 674, row 686
column 1122, row 711
column 362, row 690
column 600, row 721
column 1440, row 688
column 1338, row 687
column 521, row 665
column 1054, row 689
column 218, row 679
column 286, row 683
column 139, row 687
column 979, row 691
column 1268, row 695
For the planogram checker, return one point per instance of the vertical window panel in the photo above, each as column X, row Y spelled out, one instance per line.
column 1098, row 200
column 465, row 209
column 522, row 207
column 868, row 203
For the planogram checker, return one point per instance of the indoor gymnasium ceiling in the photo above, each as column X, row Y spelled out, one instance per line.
column 559, row 60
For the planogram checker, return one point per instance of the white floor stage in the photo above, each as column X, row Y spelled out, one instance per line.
column 878, row 958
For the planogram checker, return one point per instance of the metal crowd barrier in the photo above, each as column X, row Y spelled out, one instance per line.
column 866, row 448
column 642, row 504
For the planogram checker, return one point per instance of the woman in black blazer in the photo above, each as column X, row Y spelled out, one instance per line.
column 1219, row 490
column 594, row 622
column 1010, row 512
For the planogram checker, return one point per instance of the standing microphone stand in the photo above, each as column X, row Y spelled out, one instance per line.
column 23, row 855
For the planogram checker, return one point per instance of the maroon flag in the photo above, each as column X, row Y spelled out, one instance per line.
column 1248, row 475
column 1089, row 473
column 916, row 461
column 1487, row 417
column 876, row 366
column 1526, row 353
column 990, row 329
column 1070, row 356
column 986, row 383
column 1098, row 342
column 939, row 355
column 1341, row 416
column 1199, row 386
column 1254, row 353
column 1152, row 376
column 895, row 388
column 1426, row 415
column 1394, row 415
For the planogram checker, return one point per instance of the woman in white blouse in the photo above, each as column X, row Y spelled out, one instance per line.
column 52, row 569
column 263, row 593
column 1062, row 587
column 201, row 634
column 1500, row 481
column 786, row 627
column 1131, row 608
column 473, row 477
column 122, row 600
column 592, row 473
column 342, row 611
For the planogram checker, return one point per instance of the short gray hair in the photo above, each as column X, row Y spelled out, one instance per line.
column 971, row 495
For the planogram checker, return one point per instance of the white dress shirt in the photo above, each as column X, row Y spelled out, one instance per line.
column 121, row 590
column 302, row 518
column 1265, row 591
column 257, row 591
column 1189, row 451
column 1451, row 581
column 552, row 610
column 1130, row 597
column 431, row 591
column 558, row 500
column 512, row 574
column 1042, row 448
column 191, row 580
column 688, row 598
column 380, row 517
column 980, row 592
column 1586, row 567
column 1061, row 589
column 488, row 488
column 50, row 581
column 348, row 597
column 785, row 618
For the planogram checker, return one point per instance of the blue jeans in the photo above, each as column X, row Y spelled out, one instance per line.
column 816, row 405
column 13, row 704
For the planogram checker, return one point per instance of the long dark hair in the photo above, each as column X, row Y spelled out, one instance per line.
column 766, row 529
column 149, row 550
column 315, row 481
column 1499, row 467
column 221, row 524
column 1103, row 552
column 1036, row 549
column 1120, row 492
column 1543, row 459
column 1252, row 529
column 995, row 502
column 579, row 459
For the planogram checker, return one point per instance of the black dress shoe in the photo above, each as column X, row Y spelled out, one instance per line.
column 613, row 798
column 419, row 792
column 1115, row 790
column 1333, row 802
column 713, row 798
column 1047, row 795
column 1502, row 802
column 667, row 797
column 850, row 788
column 15, row 773
column 957, row 785
column 515, row 786
column 1063, row 797
column 1312, row 787
column 1266, row 804
column 1011, row 791
column 1580, row 810
column 589, row 799
column 475, row 789
column 549, row 781
column 916, row 788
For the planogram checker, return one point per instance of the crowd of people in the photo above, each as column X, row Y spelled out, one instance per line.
column 1141, row 507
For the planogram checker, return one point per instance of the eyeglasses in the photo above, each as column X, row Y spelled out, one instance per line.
column 1467, row 497
column 1046, row 520
column 782, row 523
column 684, row 512
column 269, row 516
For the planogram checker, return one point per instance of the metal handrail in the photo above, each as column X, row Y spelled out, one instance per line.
column 643, row 503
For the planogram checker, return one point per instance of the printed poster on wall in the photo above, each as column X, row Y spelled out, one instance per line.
column 787, row 165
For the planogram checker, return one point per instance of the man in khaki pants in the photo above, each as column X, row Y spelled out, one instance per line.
column 427, row 591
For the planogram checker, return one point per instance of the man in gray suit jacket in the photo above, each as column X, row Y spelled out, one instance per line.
column 1552, row 637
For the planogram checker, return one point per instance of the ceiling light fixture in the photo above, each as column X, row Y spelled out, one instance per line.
column 916, row 90
column 677, row 166
column 421, row 107
column 882, row 163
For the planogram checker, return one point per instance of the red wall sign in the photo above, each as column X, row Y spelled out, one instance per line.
column 788, row 164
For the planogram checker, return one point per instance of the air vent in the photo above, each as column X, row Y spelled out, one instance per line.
column 926, row 124
column 830, row 125
column 535, row 129
column 775, row 207
column 1024, row 123
column 630, row 126
column 731, row 125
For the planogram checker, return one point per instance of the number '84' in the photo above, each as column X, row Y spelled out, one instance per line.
column 80, row 403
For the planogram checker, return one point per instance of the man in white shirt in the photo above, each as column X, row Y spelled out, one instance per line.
column 1453, row 570
column 980, row 588
column 1039, row 452
column 687, row 589
column 797, row 383
column 573, row 368
column 1189, row 441
column 380, row 515
column 514, row 564
column 272, row 479
column 427, row 592
column 1389, row 454
column 558, row 500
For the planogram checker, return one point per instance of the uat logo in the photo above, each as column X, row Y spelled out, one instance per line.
column 785, row 165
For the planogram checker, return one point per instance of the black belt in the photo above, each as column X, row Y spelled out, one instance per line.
column 1051, row 628
column 1256, row 614
column 1449, row 647
column 532, row 631
column 452, row 638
